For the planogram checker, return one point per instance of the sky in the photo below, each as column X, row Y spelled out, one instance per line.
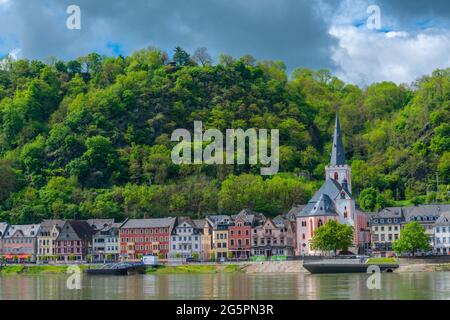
column 411, row 40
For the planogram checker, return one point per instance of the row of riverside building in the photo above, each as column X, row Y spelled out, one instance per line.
column 242, row 235
column 216, row 237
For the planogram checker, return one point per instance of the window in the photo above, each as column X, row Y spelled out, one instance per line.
column 336, row 176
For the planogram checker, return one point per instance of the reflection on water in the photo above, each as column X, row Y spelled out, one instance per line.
column 229, row 286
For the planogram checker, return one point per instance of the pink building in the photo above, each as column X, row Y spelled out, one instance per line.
column 20, row 242
column 333, row 201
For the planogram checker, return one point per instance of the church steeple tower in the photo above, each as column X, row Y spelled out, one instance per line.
column 337, row 150
column 337, row 169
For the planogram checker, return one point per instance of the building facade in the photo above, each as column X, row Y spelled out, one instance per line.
column 139, row 237
column 275, row 237
column 46, row 239
column 442, row 234
column 385, row 227
column 3, row 227
column 240, row 233
column 20, row 242
column 186, row 239
column 74, row 242
column 105, row 242
column 206, row 231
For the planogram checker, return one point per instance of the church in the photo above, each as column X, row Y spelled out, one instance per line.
column 333, row 201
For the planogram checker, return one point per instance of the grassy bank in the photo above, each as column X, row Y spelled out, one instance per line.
column 194, row 269
column 382, row 261
column 31, row 270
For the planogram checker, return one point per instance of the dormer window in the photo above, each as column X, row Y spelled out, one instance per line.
column 342, row 195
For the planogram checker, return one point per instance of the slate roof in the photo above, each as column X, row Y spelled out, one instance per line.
column 189, row 221
column 149, row 223
column 28, row 231
column 47, row 225
column 81, row 230
column 219, row 219
column 390, row 212
column 295, row 210
column 443, row 220
column 199, row 223
column 100, row 224
column 281, row 222
column 425, row 211
column 3, row 227
column 337, row 150
column 321, row 204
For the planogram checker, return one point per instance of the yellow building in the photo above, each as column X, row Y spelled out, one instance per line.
column 220, row 235
column 46, row 238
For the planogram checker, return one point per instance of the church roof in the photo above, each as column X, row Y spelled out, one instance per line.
column 322, row 203
column 323, row 207
column 337, row 150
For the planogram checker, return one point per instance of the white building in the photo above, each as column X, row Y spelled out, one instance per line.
column 105, row 242
column 185, row 240
column 442, row 234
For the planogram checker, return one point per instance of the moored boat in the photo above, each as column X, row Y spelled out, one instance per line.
column 345, row 266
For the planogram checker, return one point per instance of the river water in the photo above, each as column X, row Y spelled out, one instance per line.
column 423, row 285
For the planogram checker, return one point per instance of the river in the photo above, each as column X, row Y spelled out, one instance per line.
column 239, row 286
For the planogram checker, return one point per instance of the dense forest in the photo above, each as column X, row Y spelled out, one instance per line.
column 91, row 137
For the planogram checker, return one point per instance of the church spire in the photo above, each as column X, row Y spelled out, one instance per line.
column 337, row 151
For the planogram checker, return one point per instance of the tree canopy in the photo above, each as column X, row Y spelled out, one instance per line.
column 99, row 127
column 412, row 238
column 332, row 236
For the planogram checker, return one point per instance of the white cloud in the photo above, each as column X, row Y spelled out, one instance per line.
column 15, row 53
column 362, row 56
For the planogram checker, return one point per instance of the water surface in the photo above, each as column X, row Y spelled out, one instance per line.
column 423, row 285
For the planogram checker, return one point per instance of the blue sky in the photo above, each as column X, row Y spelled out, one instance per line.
column 414, row 38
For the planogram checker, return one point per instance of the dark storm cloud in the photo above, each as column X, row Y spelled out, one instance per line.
column 290, row 30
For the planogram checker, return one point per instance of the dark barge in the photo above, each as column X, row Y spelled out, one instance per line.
column 118, row 269
column 345, row 266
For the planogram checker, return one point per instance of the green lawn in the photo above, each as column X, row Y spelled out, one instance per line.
column 193, row 269
column 22, row 269
column 382, row 261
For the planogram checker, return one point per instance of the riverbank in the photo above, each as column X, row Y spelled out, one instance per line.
column 230, row 268
column 268, row 267
column 30, row 270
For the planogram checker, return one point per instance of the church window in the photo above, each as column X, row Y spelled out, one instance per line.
column 336, row 176
column 342, row 195
column 345, row 214
column 320, row 223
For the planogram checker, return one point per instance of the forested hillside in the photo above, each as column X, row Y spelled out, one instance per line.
column 91, row 137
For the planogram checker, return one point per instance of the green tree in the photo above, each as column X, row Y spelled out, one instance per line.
column 333, row 237
column 181, row 57
column 412, row 238
column 8, row 180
